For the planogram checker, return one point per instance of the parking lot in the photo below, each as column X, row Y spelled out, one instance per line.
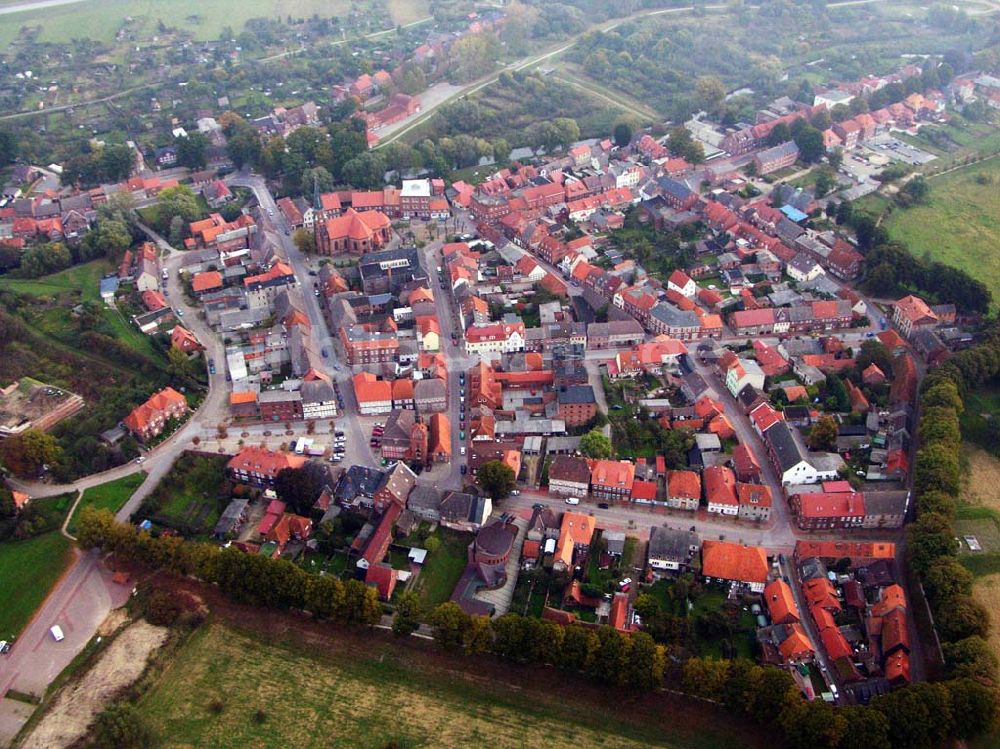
column 897, row 150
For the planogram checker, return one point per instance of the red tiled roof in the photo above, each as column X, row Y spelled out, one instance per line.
column 729, row 561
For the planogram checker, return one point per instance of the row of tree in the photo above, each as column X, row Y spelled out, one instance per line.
column 246, row 578
column 962, row 622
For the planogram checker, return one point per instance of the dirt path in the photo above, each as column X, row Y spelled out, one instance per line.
column 77, row 704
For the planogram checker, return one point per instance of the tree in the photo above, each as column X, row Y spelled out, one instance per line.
column 8, row 147
column 973, row 707
column 501, row 150
column 944, row 394
column 710, row 92
column 823, row 435
column 450, row 625
column 595, row 444
column 324, row 596
column 939, row 425
column 305, row 241
column 622, row 134
column 299, row 487
column 122, row 727
column 408, row 613
column 873, row 351
column 479, row 635
column 929, row 539
column 496, row 478
column 864, row 728
column 919, row 716
column 683, row 145
column 826, row 181
column 962, row 617
column 945, row 578
column 316, row 179
column 936, row 468
column 367, row 171
column 178, row 201
column 580, row 646
column 25, row 454
column 361, row 605
column 810, row 143
column 811, row 725
column 645, row 663
column 179, row 367
column 972, row 658
column 191, row 151
column 609, row 663
column 779, row 134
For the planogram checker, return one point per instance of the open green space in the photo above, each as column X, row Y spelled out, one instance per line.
column 110, row 496
column 28, row 569
column 191, row 497
column 379, row 695
column 84, row 279
column 100, row 20
column 960, row 223
column 443, row 568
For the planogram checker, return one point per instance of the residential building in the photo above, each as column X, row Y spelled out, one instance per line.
column 780, row 603
column 776, row 158
column 495, row 338
column 374, row 396
column 259, row 466
column 683, row 490
column 575, row 533
column 464, row 512
column 720, row 490
column 280, row 405
column 755, row 502
column 723, row 561
column 826, row 511
column 149, row 419
column 787, row 457
column 911, row 313
column 569, row 476
column 671, row 550
column 611, row 480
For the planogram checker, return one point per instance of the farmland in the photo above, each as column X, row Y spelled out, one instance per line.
column 110, row 496
column 960, row 223
column 29, row 569
column 337, row 692
column 100, row 21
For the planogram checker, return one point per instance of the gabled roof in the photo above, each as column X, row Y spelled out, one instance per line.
column 729, row 561
column 781, row 603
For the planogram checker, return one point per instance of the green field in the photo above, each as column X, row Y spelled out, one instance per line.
column 444, row 567
column 101, row 19
column 960, row 224
column 110, row 496
column 84, row 278
column 28, row 570
column 373, row 693
column 190, row 497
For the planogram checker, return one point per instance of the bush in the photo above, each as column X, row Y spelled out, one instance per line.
column 162, row 609
column 122, row 727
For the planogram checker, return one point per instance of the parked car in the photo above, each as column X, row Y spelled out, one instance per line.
column 4, row 647
column 603, row 505
column 625, row 585
column 463, row 450
column 325, row 353
column 57, row 634
column 572, row 500
column 464, row 470
column 514, row 492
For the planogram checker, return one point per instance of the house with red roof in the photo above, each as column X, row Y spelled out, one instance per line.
column 724, row 561
column 383, row 578
column 911, row 313
column 780, row 603
column 680, row 282
column 745, row 464
column 184, row 340
column 754, row 502
column 149, row 419
column 822, row 511
column 720, row 490
column 259, row 466
column 612, row 480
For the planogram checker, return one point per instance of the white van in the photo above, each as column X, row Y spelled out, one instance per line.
column 57, row 633
column 572, row 500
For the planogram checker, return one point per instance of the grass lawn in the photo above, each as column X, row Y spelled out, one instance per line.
column 443, row 568
column 84, row 278
column 377, row 694
column 29, row 569
column 960, row 224
column 189, row 498
column 101, row 20
column 110, row 496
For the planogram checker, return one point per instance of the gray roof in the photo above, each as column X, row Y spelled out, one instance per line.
column 674, row 317
column 569, row 468
column 887, row 503
column 780, row 151
column 577, row 394
column 358, row 481
column 231, row 516
column 784, row 446
column 672, row 544
column 460, row 507
column 424, row 499
column 317, row 391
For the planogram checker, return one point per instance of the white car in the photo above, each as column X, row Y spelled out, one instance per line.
column 57, row 633
column 463, row 449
